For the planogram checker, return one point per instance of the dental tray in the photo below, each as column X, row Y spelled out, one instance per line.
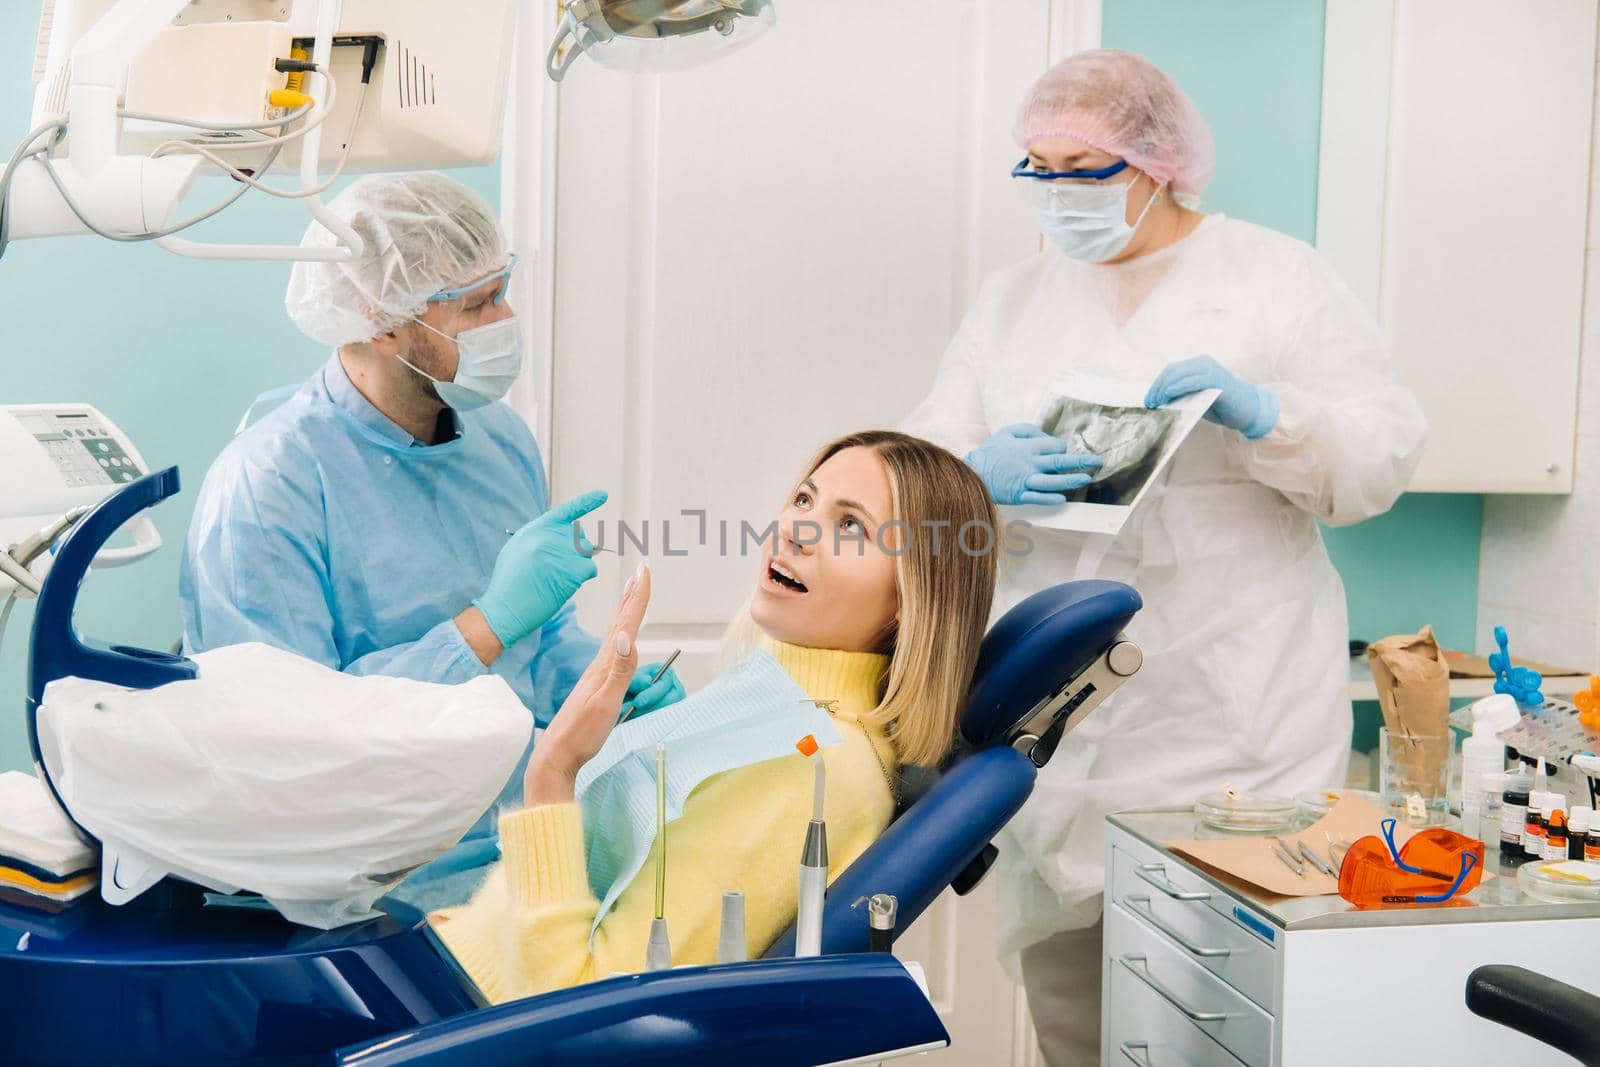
column 1247, row 813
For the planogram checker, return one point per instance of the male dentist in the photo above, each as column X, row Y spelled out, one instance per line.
column 393, row 517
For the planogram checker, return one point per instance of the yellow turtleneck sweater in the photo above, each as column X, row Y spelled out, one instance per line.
column 527, row 929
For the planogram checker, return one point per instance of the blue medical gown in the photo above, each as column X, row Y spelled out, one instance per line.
column 327, row 530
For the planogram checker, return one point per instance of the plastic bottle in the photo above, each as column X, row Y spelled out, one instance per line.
column 1491, row 800
column 1533, row 829
column 1555, row 835
column 1514, row 814
column 1483, row 754
column 1578, row 821
column 1591, row 847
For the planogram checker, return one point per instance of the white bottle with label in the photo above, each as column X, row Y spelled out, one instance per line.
column 1483, row 754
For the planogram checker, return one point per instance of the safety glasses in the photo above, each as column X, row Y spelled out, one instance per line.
column 1433, row 866
column 1025, row 169
column 502, row 275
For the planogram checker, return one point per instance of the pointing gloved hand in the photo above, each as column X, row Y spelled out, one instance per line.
column 1021, row 464
column 538, row 570
column 645, row 697
column 1250, row 409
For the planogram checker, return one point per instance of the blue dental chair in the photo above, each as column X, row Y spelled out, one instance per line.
column 166, row 980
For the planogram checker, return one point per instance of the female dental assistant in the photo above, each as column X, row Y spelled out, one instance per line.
column 1244, row 631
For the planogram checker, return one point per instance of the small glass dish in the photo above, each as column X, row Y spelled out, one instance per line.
column 1318, row 802
column 1536, row 880
column 1247, row 813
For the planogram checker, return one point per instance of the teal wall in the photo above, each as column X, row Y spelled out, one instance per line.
column 1254, row 69
column 173, row 350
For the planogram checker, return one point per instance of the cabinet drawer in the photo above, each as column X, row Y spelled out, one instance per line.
column 1166, row 902
column 1146, row 1031
column 1190, row 993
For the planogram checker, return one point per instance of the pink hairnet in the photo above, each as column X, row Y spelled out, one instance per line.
column 1125, row 105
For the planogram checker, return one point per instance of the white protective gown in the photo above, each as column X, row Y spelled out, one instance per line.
column 1245, row 676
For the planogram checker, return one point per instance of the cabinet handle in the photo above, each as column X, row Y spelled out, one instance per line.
column 1129, row 959
column 1142, row 1048
column 1143, row 871
column 1148, row 913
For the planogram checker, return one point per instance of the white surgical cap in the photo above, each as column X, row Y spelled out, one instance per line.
column 1125, row 106
column 422, row 232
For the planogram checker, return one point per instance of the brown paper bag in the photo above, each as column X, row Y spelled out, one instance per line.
column 1413, row 682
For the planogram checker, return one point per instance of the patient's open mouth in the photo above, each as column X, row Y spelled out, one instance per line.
column 784, row 577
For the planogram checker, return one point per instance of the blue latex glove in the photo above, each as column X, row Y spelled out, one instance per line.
column 645, row 698
column 538, row 570
column 1021, row 464
column 1250, row 409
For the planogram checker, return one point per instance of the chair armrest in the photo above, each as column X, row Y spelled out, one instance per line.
column 1549, row 1011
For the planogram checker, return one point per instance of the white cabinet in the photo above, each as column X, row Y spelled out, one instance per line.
column 1453, row 193
column 1197, row 971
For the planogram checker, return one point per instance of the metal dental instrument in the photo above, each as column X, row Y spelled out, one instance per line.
column 1315, row 860
column 628, row 709
column 658, row 954
column 1288, row 861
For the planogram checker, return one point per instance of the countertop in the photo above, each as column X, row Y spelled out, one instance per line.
column 1497, row 899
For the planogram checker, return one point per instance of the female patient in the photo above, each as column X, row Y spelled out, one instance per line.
column 868, row 601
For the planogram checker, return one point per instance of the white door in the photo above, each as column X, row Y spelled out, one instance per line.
column 759, row 255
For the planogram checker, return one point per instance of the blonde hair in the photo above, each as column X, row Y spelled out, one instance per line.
column 945, row 588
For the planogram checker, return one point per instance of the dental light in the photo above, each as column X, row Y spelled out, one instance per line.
column 654, row 36
column 135, row 98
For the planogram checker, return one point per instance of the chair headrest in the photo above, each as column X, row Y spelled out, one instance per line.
column 1037, row 647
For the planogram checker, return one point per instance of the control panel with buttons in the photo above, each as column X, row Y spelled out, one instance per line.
column 84, row 451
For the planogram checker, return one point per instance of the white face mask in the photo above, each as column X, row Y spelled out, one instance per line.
column 1088, row 221
column 491, row 359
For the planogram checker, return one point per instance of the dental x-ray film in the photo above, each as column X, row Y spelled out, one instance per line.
column 1134, row 443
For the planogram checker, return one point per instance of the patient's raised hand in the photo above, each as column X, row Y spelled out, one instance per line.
column 586, row 719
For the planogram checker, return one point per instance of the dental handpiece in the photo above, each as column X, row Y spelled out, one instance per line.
column 882, row 910
column 813, row 862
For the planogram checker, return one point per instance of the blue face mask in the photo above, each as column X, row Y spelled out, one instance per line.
column 491, row 359
column 1088, row 221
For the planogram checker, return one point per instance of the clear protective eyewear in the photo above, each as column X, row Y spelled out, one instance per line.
column 1025, row 169
column 503, row 275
